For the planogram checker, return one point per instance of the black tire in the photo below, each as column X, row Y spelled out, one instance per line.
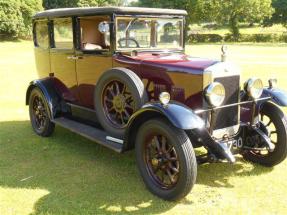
column 186, row 166
column 39, row 114
column 135, row 96
column 279, row 120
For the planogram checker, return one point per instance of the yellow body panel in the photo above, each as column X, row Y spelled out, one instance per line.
column 42, row 59
column 191, row 84
column 64, row 68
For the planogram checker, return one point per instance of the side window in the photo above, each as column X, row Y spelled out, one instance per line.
column 63, row 34
column 41, row 34
column 95, row 33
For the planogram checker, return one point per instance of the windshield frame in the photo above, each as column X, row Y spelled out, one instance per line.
column 117, row 17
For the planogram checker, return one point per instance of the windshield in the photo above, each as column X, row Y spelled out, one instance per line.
column 149, row 33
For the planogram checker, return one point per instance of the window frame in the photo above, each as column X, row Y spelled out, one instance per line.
column 119, row 16
column 35, row 39
column 79, row 37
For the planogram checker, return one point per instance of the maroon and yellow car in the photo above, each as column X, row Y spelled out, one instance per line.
column 120, row 77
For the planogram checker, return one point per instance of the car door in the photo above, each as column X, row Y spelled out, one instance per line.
column 63, row 62
column 93, row 57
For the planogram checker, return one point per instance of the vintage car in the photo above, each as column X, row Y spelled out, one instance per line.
column 120, row 77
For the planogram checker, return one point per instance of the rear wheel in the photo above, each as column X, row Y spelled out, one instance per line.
column 274, row 124
column 39, row 114
column 165, row 159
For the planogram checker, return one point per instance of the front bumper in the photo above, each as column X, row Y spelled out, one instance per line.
column 229, row 144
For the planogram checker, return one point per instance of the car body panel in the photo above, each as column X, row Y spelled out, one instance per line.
column 278, row 96
column 42, row 61
column 178, row 114
column 89, row 69
column 176, row 73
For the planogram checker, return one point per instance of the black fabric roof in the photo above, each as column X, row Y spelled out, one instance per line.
column 107, row 10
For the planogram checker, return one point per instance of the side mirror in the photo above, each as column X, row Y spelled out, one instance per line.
column 104, row 27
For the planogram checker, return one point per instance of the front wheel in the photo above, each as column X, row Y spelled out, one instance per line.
column 165, row 159
column 274, row 123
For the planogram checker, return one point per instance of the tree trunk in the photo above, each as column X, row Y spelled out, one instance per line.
column 234, row 27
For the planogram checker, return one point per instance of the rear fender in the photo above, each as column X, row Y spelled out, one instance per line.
column 47, row 87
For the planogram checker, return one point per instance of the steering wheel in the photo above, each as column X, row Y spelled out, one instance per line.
column 126, row 43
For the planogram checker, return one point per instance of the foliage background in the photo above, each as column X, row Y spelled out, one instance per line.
column 15, row 15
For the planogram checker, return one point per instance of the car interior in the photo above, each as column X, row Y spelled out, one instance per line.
column 91, row 38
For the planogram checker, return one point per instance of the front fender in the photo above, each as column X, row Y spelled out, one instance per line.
column 178, row 114
column 278, row 96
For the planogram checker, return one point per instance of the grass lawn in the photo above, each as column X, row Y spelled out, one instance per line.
column 244, row 29
column 67, row 174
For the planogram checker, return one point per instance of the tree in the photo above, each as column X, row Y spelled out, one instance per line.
column 229, row 12
column 10, row 18
column 28, row 8
column 51, row 4
column 15, row 17
column 234, row 11
column 189, row 5
column 280, row 14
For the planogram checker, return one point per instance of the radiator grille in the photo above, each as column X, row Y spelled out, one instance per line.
column 227, row 117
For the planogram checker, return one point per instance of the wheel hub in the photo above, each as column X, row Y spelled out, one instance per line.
column 155, row 162
column 162, row 161
column 119, row 103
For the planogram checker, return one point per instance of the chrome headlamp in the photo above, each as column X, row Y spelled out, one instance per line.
column 164, row 98
column 254, row 87
column 215, row 94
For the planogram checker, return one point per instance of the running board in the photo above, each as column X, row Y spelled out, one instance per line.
column 91, row 133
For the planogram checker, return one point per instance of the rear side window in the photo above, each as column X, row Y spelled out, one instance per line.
column 63, row 34
column 41, row 34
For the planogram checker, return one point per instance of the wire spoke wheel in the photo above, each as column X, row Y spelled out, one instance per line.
column 161, row 161
column 165, row 159
column 118, row 103
column 273, row 123
column 268, row 127
column 119, row 93
column 39, row 112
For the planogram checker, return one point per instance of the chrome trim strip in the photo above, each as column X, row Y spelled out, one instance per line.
column 230, row 105
column 114, row 139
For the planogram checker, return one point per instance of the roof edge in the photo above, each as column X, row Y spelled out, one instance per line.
column 61, row 12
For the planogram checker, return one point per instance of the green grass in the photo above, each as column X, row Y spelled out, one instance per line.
column 68, row 174
column 244, row 29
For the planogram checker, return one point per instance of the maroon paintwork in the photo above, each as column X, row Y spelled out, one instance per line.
column 156, row 67
column 168, row 62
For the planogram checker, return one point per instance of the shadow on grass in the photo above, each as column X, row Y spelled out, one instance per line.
column 217, row 175
column 83, row 177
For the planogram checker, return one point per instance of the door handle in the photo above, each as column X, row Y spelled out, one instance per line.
column 73, row 57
